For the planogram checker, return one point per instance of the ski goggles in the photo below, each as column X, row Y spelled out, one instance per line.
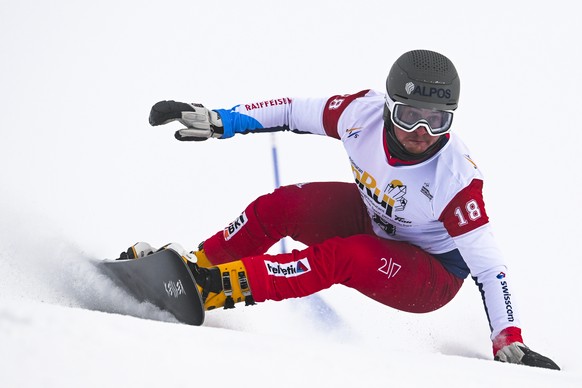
column 409, row 118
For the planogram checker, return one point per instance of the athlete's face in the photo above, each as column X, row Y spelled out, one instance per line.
column 417, row 141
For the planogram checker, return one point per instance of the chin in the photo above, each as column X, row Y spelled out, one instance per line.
column 416, row 151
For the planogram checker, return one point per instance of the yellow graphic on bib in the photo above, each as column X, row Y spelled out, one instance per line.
column 391, row 198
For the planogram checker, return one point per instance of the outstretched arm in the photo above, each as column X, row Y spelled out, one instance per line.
column 466, row 221
column 297, row 115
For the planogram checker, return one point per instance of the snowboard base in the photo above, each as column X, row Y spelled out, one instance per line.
column 164, row 280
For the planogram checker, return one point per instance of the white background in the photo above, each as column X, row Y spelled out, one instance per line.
column 83, row 176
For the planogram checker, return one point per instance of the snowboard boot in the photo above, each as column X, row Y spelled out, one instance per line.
column 223, row 285
column 201, row 259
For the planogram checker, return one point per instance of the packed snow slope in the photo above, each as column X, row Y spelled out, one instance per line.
column 83, row 176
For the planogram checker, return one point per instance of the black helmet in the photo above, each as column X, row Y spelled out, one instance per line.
column 425, row 79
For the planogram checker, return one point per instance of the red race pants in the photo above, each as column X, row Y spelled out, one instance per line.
column 330, row 218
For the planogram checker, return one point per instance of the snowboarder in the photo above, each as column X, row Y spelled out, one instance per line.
column 407, row 233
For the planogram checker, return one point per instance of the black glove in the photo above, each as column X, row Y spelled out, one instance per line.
column 518, row 353
column 201, row 123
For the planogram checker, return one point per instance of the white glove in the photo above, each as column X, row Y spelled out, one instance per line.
column 137, row 251
column 186, row 256
column 143, row 249
column 201, row 123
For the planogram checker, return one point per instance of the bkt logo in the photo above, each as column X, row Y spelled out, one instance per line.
column 411, row 88
column 288, row 270
column 234, row 226
column 501, row 275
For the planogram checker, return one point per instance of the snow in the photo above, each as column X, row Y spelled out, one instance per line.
column 84, row 176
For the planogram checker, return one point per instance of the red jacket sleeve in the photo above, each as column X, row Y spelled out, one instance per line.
column 334, row 108
column 466, row 211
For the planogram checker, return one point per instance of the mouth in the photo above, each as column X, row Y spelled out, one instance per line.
column 417, row 141
column 416, row 145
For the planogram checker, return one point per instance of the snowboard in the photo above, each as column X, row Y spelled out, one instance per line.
column 164, row 280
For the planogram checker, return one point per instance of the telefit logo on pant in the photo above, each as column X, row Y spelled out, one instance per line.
column 235, row 226
column 288, row 270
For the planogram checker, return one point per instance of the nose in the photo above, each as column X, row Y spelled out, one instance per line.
column 422, row 130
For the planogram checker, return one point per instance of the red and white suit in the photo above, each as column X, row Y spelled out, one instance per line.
column 403, row 234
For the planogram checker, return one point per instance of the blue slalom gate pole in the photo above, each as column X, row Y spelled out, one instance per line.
column 317, row 307
column 277, row 179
